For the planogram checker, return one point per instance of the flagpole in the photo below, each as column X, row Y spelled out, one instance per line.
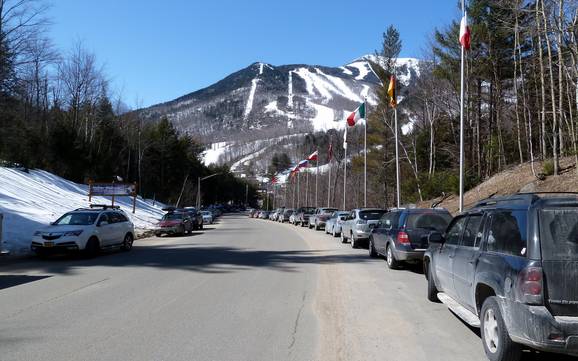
column 316, row 181
column 307, row 186
column 285, row 196
column 365, row 155
column 274, row 195
column 329, row 187
column 298, row 187
column 345, row 169
column 397, row 159
column 267, row 196
column 462, row 121
column 293, row 186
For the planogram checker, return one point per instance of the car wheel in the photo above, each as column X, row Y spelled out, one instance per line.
column 352, row 241
column 432, row 291
column 497, row 343
column 157, row 234
column 201, row 226
column 392, row 263
column 343, row 238
column 372, row 252
column 92, row 248
column 333, row 232
column 127, row 243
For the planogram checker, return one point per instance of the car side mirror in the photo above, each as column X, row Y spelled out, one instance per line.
column 436, row 237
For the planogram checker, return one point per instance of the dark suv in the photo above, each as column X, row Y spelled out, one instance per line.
column 510, row 266
column 402, row 234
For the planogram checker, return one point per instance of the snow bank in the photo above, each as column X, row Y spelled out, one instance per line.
column 32, row 200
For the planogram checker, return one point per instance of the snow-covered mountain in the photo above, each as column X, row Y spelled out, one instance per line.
column 265, row 102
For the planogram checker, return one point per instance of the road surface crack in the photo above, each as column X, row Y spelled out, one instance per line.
column 297, row 319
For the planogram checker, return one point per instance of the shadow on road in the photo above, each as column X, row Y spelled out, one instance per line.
column 192, row 257
column 7, row 281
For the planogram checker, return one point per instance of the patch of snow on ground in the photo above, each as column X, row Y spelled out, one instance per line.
column 212, row 155
column 315, row 82
column 261, row 68
column 32, row 200
column 362, row 67
column 249, row 105
column 324, row 118
column 346, row 71
column 341, row 87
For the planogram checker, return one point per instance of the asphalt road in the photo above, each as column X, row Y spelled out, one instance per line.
column 244, row 289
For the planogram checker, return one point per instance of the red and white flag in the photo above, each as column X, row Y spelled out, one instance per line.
column 465, row 35
column 313, row 156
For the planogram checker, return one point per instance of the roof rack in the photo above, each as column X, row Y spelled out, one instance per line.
column 103, row 206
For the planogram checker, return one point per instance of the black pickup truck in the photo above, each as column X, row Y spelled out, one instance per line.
column 509, row 265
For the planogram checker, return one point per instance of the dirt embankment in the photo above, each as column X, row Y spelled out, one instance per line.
column 513, row 180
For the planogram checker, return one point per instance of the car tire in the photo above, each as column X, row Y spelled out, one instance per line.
column 201, row 226
column 127, row 243
column 92, row 248
column 372, row 253
column 352, row 241
column 157, row 234
column 343, row 238
column 390, row 260
column 333, row 232
column 432, row 291
column 497, row 343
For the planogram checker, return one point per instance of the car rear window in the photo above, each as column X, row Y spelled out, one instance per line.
column 371, row 215
column 328, row 210
column 432, row 221
column 559, row 233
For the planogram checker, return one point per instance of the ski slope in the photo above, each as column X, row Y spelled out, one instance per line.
column 32, row 200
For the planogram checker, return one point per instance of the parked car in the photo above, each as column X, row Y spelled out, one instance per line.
column 264, row 214
column 302, row 215
column 319, row 217
column 401, row 235
column 85, row 229
column 285, row 215
column 174, row 223
column 292, row 218
column 333, row 224
column 195, row 216
column 510, row 266
column 358, row 225
column 207, row 217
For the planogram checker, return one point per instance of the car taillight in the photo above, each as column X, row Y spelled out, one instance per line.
column 402, row 237
column 530, row 285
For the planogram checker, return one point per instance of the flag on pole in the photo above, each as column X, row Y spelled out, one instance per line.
column 465, row 35
column 313, row 156
column 391, row 92
column 358, row 114
column 330, row 152
column 274, row 179
column 303, row 164
column 345, row 139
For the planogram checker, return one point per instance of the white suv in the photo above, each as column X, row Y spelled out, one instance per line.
column 88, row 230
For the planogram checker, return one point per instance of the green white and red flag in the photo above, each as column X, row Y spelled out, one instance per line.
column 358, row 114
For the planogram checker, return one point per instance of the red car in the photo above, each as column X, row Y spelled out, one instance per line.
column 174, row 223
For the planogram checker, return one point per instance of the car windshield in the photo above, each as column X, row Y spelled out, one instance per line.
column 205, row 213
column 371, row 215
column 431, row 221
column 559, row 233
column 77, row 219
column 172, row 216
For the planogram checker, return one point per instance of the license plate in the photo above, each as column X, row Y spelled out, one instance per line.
column 48, row 244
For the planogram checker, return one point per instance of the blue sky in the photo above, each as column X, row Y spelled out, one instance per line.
column 159, row 50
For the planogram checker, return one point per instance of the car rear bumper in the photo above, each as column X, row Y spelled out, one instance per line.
column 169, row 230
column 409, row 256
column 536, row 327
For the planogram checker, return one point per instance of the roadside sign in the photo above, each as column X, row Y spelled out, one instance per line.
column 113, row 190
